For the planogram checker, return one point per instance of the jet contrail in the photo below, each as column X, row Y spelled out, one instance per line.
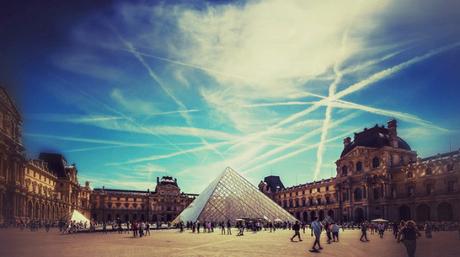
column 166, row 156
column 328, row 114
column 153, row 75
column 299, row 140
column 299, row 151
column 87, row 140
column 354, row 88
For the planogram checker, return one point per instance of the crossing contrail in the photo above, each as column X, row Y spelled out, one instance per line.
column 168, row 92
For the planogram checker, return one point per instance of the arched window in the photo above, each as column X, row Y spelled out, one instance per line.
column 428, row 171
column 344, row 170
column 359, row 166
column 375, row 162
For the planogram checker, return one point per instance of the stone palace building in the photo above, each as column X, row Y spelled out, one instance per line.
column 47, row 189
column 378, row 176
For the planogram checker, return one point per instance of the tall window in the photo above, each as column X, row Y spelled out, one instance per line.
column 344, row 170
column 359, row 166
column 410, row 191
column 375, row 162
column 450, row 186
column 429, row 189
column 358, row 194
column 428, row 171
column 345, row 196
column 376, row 193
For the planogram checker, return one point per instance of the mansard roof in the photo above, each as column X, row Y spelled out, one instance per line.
column 56, row 163
column 376, row 137
column 9, row 103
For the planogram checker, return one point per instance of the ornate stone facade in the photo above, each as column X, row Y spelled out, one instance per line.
column 12, row 187
column 47, row 189
column 51, row 197
column 162, row 205
column 379, row 176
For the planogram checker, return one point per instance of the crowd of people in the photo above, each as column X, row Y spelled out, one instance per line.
column 405, row 232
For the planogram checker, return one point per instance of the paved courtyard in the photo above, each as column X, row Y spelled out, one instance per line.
column 15, row 243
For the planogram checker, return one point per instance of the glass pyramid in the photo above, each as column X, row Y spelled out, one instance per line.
column 229, row 197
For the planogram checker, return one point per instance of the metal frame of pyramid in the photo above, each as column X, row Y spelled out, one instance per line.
column 229, row 197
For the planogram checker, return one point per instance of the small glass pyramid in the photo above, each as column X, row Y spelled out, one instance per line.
column 229, row 197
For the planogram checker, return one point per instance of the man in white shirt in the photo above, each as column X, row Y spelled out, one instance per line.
column 316, row 228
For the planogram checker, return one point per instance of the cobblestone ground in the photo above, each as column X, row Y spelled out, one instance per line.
column 172, row 243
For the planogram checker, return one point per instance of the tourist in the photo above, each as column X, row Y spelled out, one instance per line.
column 328, row 228
column 120, row 228
column 141, row 229
column 363, row 237
column 222, row 228
column 296, row 229
column 147, row 228
column 104, row 227
column 381, row 229
column 395, row 230
column 47, row 226
column 135, row 228
column 303, row 227
column 240, row 227
column 198, row 226
column 127, row 227
column 335, row 232
column 428, row 229
column 229, row 227
column 316, row 228
column 408, row 235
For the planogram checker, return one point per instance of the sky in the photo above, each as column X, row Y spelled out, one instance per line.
column 129, row 91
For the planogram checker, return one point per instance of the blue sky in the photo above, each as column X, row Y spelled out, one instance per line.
column 132, row 91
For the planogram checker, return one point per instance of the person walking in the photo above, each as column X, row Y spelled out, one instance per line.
column 222, row 228
column 363, row 237
column 335, row 232
column 381, row 229
column 408, row 235
column 328, row 228
column 229, row 227
column 395, row 230
column 428, row 229
column 316, row 228
column 147, row 228
column 296, row 229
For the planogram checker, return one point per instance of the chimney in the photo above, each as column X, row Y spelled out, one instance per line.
column 346, row 141
column 175, row 180
column 158, row 180
column 86, row 183
column 393, row 132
